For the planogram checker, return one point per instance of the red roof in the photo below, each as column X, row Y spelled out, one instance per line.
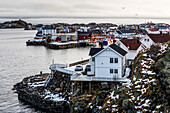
column 132, row 44
column 154, row 29
column 158, row 38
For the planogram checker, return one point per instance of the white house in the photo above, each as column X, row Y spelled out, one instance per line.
column 48, row 30
column 107, row 62
column 132, row 46
column 151, row 39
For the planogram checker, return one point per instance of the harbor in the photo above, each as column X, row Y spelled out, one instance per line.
column 88, row 56
column 107, row 73
column 90, row 70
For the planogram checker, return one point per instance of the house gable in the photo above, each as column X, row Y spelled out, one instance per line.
column 147, row 41
column 116, row 49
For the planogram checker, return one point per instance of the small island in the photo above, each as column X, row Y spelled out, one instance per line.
column 17, row 24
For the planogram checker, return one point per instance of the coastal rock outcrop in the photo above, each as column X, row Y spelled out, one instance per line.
column 47, row 92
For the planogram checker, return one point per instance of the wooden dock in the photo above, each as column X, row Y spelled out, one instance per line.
column 64, row 45
column 42, row 43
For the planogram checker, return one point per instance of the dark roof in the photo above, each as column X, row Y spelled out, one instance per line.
column 119, row 32
column 48, row 27
column 118, row 49
column 83, row 33
column 158, row 38
column 127, row 31
column 131, row 44
column 93, row 51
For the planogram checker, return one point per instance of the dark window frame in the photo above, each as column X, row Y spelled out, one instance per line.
column 111, row 71
column 116, row 60
column 111, row 60
column 116, row 71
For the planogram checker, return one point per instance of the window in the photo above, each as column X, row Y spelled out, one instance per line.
column 148, row 40
column 116, row 70
column 111, row 60
column 111, row 70
column 145, row 39
column 116, row 60
column 93, row 59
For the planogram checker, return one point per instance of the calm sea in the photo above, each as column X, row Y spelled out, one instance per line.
column 18, row 61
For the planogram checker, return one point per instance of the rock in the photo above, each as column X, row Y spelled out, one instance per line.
column 58, row 89
column 104, row 85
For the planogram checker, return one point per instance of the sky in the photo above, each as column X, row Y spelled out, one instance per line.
column 85, row 8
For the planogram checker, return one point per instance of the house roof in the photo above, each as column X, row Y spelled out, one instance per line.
column 126, row 31
column 118, row 49
column 83, row 33
column 158, row 38
column 48, row 27
column 154, row 29
column 131, row 44
column 93, row 51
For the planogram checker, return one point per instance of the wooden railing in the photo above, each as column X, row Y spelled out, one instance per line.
column 60, row 68
column 93, row 78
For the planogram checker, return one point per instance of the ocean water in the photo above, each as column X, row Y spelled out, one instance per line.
column 18, row 61
column 71, row 20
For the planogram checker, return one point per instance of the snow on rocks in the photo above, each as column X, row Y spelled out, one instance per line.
column 54, row 97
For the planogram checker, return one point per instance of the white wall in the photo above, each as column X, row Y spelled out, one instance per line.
column 92, row 68
column 48, row 31
column 103, row 65
column 145, row 41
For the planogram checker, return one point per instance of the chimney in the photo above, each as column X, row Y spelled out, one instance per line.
column 101, row 44
column 161, row 33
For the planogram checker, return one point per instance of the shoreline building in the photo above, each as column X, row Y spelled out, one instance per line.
column 106, row 65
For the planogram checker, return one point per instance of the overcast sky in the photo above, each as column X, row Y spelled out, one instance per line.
column 85, row 8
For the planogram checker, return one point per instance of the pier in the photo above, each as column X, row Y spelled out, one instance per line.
column 63, row 45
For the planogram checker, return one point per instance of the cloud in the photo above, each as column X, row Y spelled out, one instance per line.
column 106, row 8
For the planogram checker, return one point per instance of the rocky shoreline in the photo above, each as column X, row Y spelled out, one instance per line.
column 51, row 98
